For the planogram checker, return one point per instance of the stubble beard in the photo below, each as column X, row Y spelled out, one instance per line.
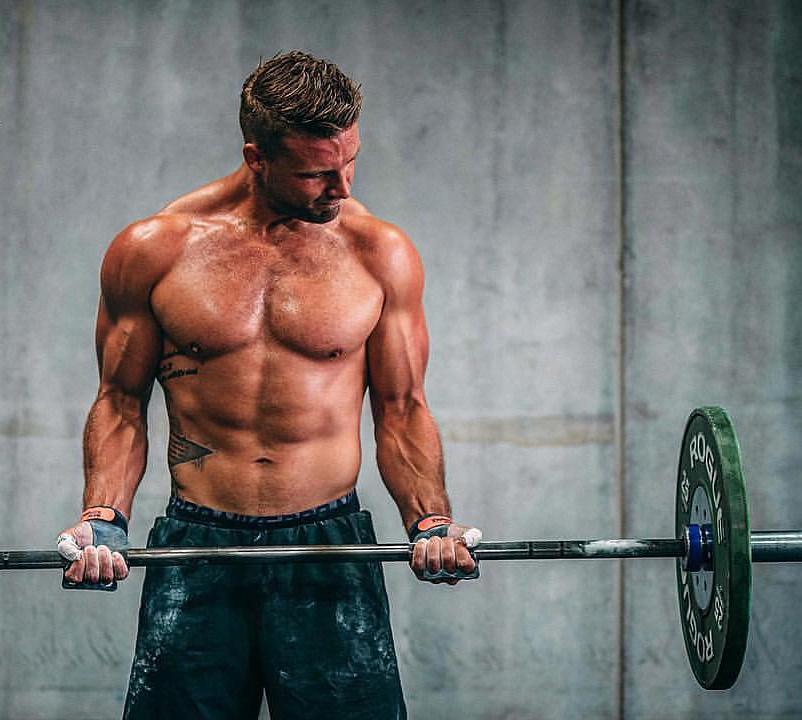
column 318, row 217
column 304, row 213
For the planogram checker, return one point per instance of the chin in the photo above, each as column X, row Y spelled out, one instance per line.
column 321, row 216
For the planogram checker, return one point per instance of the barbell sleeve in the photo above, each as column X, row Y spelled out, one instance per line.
column 776, row 546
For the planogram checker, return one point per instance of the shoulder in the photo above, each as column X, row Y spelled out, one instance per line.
column 210, row 199
column 141, row 255
column 387, row 252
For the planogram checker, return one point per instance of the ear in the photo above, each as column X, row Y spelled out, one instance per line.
column 254, row 158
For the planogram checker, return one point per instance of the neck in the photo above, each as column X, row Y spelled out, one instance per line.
column 254, row 206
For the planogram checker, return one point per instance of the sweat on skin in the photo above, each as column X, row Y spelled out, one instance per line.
column 279, row 300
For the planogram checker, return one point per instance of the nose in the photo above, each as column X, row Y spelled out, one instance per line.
column 340, row 187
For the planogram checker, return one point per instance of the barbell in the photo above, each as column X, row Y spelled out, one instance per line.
column 714, row 549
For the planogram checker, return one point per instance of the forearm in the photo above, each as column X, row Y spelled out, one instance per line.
column 115, row 450
column 410, row 460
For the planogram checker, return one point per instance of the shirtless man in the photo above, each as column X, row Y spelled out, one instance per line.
column 266, row 303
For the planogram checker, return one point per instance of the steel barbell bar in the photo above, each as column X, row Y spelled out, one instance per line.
column 714, row 550
column 767, row 546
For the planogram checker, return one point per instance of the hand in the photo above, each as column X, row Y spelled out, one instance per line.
column 442, row 550
column 93, row 548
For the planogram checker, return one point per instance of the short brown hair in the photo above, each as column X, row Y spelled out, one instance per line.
column 296, row 92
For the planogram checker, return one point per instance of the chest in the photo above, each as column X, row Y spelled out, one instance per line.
column 315, row 299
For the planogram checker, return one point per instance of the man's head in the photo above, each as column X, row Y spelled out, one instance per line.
column 299, row 120
column 296, row 92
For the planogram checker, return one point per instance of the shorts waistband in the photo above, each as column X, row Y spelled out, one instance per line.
column 181, row 509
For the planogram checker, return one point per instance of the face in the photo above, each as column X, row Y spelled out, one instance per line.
column 309, row 177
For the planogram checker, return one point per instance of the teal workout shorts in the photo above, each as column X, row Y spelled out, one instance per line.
column 315, row 639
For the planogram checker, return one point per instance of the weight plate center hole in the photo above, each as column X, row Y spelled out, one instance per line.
column 702, row 584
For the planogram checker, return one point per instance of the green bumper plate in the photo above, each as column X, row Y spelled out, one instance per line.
column 715, row 631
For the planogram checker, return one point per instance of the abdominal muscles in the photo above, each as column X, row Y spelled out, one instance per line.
column 265, row 431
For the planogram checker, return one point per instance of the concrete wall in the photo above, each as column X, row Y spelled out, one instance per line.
column 583, row 294
column 712, row 290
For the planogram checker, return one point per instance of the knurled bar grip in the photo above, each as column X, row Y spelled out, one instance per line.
column 767, row 546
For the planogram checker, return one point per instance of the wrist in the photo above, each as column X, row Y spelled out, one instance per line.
column 429, row 525
column 106, row 513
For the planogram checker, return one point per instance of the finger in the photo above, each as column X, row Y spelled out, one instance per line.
column 119, row 566
column 464, row 560
column 68, row 547
column 92, row 570
column 448, row 553
column 434, row 560
column 75, row 572
column 105, row 570
column 471, row 536
column 419, row 555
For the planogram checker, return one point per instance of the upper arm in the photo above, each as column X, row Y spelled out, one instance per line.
column 128, row 337
column 398, row 347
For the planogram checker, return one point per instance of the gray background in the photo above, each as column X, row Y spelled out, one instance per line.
column 607, row 199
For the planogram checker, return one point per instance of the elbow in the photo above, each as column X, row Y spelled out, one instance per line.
column 129, row 407
column 399, row 408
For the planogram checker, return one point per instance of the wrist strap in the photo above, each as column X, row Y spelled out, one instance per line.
column 427, row 522
column 107, row 514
